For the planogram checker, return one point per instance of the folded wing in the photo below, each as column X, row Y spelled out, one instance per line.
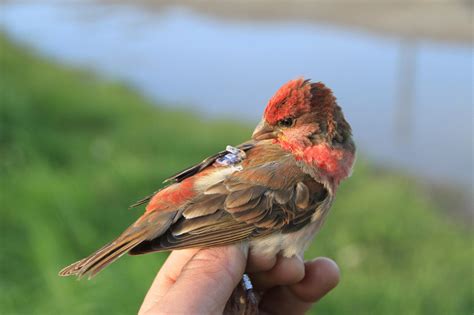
column 271, row 193
column 211, row 205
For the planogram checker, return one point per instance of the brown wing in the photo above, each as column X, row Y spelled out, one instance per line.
column 160, row 214
column 270, row 193
column 190, row 171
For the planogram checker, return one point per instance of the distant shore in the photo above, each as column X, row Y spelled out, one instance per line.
column 440, row 21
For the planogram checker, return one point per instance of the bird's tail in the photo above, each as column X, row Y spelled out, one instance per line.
column 100, row 259
column 148, row 226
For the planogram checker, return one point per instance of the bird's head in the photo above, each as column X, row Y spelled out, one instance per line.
column 304, row 118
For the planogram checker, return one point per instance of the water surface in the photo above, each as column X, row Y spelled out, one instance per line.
column 228, row 68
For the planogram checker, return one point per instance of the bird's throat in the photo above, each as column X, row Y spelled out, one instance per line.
column 334, row 164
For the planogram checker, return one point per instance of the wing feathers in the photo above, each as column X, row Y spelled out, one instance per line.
column 190, row 225
column 302, row 196
column 270, row 193
column 251, row 204
column 242, row 207
column 205, row 206
column 242, row 197
column 217, row 188
column 283, row 196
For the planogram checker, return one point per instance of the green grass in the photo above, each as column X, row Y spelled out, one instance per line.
column 75, row 151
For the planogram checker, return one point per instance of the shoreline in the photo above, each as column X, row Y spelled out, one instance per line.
column 448, row 21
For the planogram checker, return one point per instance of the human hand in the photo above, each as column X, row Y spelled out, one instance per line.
column 200, row 281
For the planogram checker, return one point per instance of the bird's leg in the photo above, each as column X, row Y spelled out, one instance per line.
column 244, row 300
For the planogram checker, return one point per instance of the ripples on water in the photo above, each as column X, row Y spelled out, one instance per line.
column 231, row 68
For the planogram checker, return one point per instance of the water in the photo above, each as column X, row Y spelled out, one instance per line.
column 218, row 67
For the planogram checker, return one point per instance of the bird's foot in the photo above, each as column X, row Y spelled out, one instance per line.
column 244, row 300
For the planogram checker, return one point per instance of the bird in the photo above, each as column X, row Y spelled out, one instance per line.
column 272, row 192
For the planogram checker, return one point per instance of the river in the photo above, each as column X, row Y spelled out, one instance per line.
column 409, row 101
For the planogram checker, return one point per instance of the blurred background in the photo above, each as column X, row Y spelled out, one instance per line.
column 102, row 100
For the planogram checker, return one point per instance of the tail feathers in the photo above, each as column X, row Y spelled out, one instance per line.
column 147, row 227
column 103, row 257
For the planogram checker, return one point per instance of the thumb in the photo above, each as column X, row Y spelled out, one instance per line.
column 205, row 283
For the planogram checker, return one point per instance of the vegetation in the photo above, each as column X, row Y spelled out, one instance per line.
column 75, row 151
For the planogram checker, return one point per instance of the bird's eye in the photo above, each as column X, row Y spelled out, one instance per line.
column 287, row 122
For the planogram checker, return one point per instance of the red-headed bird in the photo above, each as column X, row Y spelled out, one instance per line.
column 273, row 191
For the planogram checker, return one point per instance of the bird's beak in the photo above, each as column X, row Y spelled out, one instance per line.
column 263, row 131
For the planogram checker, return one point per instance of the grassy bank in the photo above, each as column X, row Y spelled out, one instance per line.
column 75, row 151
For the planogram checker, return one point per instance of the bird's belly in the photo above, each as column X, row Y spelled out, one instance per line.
column 285, row 244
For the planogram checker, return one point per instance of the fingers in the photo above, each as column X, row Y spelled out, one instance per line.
column 286, row 271
column 166, row 277
column 279, row 300
column 321, row 276
column 258, row 263
column 206, row 278
column 205, row 283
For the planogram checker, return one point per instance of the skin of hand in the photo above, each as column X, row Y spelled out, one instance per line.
column 200, row 281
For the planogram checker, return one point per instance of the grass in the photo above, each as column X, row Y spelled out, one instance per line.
column 75, row 151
